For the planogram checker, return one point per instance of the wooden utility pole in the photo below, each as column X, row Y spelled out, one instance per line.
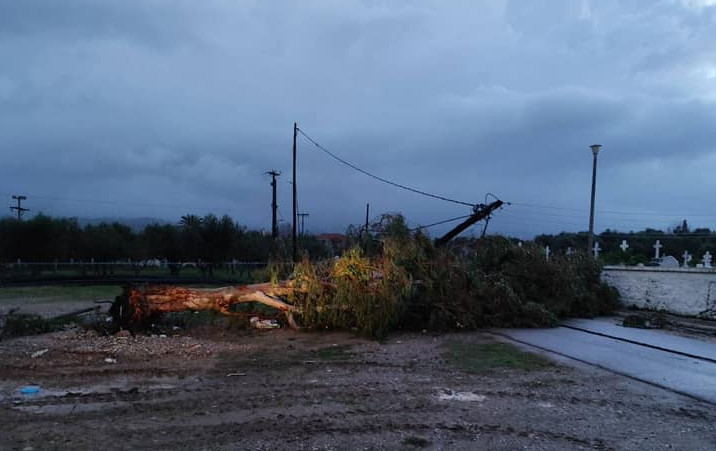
column 274, row 206
column 367, row 213
column 20, row 210
column 295, row 200
column 590, row 238
column 481, row 212
column 302, row 216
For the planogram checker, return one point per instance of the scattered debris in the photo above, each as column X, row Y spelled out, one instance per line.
column 39, row 353
column 449, row 395
column 645, row 321
column 258, row 323
column 30, row 390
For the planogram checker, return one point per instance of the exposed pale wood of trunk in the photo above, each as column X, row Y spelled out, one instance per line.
column 140, row 303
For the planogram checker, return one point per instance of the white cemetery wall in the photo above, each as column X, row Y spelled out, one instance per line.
column 689, row 292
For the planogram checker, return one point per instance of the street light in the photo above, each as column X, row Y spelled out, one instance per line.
column 590, row 238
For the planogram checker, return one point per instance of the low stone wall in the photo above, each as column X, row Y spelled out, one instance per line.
column 682, row 291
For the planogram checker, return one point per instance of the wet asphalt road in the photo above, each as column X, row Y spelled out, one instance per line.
column 688, row 375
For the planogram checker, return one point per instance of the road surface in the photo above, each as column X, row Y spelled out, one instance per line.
column 680, row 364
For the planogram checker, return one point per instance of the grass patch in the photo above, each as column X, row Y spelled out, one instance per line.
column 481, row 357
column 60, row 293
column 416, row 442
column 339, row 352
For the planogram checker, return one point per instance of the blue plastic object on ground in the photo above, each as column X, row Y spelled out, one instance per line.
column 30, row 390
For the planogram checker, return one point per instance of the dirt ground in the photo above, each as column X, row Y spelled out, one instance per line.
column 279, row 389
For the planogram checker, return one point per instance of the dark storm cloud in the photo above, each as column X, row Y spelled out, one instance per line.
column 154, row 23
column 157, row 108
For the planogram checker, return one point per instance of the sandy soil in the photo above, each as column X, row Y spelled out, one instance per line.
column 317, row 391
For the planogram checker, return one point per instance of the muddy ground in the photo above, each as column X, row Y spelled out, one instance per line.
column 280, row 389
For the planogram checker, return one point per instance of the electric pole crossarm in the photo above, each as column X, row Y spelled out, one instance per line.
column 19, row 208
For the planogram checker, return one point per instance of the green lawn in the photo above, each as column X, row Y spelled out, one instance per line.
column 57, row 293
column 479, row 357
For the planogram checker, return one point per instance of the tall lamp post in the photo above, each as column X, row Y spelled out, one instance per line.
column 590, row 237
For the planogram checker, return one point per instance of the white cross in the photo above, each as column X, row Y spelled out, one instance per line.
column 624, row 246
column 547, row 252
column 570, row 251
column 707, row 259
column 596, row 250
column 658, row 247
column 687, row 258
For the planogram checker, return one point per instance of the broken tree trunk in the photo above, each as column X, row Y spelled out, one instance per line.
column 139, row 303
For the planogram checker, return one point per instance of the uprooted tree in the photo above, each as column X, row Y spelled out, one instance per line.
column 405, row 281
column 139, row 304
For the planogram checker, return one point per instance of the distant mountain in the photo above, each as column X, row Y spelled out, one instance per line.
column 136, row 224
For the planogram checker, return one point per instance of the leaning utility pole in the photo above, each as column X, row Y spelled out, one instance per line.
column 274, row 206
column 302, row 216
column 480, row 212
column 20, row 210
column 295, row 200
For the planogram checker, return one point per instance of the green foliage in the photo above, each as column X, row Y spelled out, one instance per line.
column 335, row 352
column 492, row 282
column 403, row 280
column 209, row 239
column 352, row 292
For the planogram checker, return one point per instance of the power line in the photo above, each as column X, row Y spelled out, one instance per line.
column 381, row 179
column 440, row 222
column 132, row 203
column 613, row 212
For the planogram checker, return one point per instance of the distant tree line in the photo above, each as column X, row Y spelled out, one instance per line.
column 209, row 239
column 641, row 244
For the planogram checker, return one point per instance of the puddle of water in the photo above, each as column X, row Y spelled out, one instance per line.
column 466, row 396
column 13, row 394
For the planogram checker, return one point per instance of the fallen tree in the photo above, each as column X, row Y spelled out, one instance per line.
column 405, row 281
column 353, row 292
column 139, row 304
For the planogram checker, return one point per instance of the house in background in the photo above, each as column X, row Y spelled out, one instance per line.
column 334, row 242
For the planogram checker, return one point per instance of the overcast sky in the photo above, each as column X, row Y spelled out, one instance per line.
column 159, row 108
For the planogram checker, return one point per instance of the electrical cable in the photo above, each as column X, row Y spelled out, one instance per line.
column 440, row 222
column 381, row 179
